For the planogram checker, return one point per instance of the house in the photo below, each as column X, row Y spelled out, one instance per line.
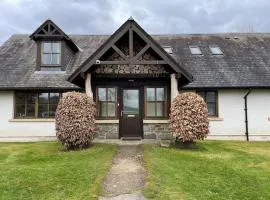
column 133, row 77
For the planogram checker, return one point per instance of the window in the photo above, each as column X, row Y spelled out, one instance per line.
column 168, row 49
column 195, row 50
column 210, row 97
column 216, row 50
column 155, row 102
column 106, row 101
column 36, row 105
column 51, row 53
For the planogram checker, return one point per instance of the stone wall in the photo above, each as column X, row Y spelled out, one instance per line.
column 107, row 131
column 151, row 131
column 134, row 69
column 157, row 131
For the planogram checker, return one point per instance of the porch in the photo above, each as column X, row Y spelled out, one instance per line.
column 133, row 80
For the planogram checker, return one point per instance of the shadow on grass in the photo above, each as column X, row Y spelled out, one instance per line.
column 192, row 146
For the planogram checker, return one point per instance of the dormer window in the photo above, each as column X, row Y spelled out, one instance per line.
column 51, row 53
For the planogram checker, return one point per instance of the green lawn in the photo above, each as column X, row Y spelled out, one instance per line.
column 43, row 171
column 216, row 170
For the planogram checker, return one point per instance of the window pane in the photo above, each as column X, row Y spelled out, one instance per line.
column 20, row 98
column 55, row 59
column 211, row 97
column 211, row 109
column 216, row 50
column 30, row 110
column 103, row 109
column 43, row 110
column 150, row 93
column 47, row 59
column 111, row 94
column 111, row 109
column 56, row 47
column 150, row 109
column 195, row 50
column 43, row 98
column 102, row 94
column 160, row 109
column 52, row 110
column 31, row 98
column 47, row 48
column 202, row 94
column 20, row 110
column 160, row 94
column 131, row 101
column 54, row 98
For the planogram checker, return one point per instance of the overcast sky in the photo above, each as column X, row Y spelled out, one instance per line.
column 155, row 16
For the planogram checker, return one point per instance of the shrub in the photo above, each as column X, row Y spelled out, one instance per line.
column 189, row 117
column 75, row 120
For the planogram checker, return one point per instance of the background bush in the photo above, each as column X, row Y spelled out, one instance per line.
column 189, row 117
column 75, row 120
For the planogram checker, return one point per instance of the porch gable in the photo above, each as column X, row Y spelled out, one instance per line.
column 146, row 58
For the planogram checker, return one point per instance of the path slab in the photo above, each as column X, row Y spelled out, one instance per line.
column 126, row 178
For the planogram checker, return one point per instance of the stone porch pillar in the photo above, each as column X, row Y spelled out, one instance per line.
column 174, row 86
column 88, row 86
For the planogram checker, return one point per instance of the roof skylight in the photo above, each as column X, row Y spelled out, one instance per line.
column 195, row 50
column 216, row 50
column 168, row 49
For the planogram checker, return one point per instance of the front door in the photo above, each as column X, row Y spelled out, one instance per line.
column 130, row 113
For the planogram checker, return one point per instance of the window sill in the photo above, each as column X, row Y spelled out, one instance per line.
column 155, row 121
column 32, row 120
column 107, row 121
column 215, row 118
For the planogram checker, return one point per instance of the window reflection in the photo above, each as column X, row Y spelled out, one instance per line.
column 131, row 101
column 106, row 102
column 36, row 105
column 155, row 102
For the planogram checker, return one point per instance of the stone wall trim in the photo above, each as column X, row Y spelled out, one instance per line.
column 155, row 121
column 107, row 121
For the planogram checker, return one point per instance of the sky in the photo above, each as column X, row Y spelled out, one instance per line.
column 155, row 16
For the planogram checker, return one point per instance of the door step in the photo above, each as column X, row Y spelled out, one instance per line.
column 131, row 138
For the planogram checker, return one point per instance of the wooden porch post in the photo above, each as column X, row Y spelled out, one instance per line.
column 174, row 86
column 88, row 86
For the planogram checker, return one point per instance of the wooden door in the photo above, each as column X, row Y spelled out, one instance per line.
column 130, row 113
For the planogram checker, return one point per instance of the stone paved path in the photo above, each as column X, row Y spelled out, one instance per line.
column 126, row 178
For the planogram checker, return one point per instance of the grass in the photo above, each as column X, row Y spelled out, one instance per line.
column 215, row 170
column 43, row 171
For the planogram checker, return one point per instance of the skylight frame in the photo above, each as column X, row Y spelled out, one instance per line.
column 215, row 50
column 195, row 50
column 168, row 49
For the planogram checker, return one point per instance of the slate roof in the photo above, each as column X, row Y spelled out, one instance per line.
column 245, row 63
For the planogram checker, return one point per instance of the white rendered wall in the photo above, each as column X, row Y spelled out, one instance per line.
column 10, row 128
column 229, row 125
column 231, row 121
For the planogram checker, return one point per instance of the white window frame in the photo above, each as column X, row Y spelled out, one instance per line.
column 195, row 50
column 211, row 47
